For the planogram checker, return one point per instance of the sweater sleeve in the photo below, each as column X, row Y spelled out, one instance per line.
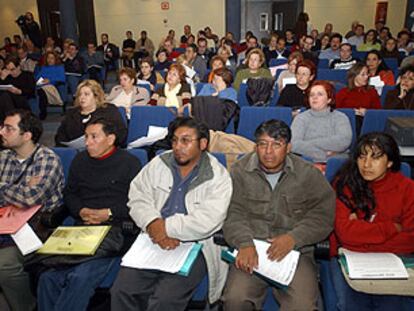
column 375, row 102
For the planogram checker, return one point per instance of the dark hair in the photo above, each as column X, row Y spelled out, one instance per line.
column 161, row 50
column 403, row 32
column 225, row 74
column 346, row 44
column 193, row 46
column 353, row 72
column 200, row 127
column 375, row 36
column 405, row 69
column 276, row 129
column 219, row 58
column 349, row 178
column 307, row 64
column 108, row 127
column 382, row 66
column 73, row 44
column 336, row 35
column 12, row 60
column 148, row 60
column 28, row 123
column 201, row 39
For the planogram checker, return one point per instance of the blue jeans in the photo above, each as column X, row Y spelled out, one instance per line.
column 70, row 289
column 349, row 299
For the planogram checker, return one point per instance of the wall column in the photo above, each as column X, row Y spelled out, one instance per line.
column 233, row 17
column 68, row 21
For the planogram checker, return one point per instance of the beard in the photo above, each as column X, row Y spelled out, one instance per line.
column 182, row 162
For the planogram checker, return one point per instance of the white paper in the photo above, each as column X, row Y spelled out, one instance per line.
column 78, row 143
column 144, row 254
column 139, row 81
column 377, row 83
column 287, row 81
column 374, row 265
column 26, row 240
column 154, row 134
column 40, row 81
column 274, row 69
column 280, row 271
column 5, row 87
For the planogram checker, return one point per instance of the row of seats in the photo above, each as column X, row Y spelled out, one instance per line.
column 250, row 118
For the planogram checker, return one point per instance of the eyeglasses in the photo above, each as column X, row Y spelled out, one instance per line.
column 183, row 140
column 8, row 128
column 265, row 144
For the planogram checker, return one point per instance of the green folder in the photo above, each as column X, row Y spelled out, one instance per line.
column 407, row 260
column 75, row 240
column 192, row 256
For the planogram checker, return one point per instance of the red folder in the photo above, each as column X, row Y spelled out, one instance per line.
column 12, row 218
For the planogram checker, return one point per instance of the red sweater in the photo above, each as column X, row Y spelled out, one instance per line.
column 358, row 97
column 394, row 195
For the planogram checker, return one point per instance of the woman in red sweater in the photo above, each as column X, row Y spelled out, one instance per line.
column 358, row 94
column 374, row 213
column 377, row 67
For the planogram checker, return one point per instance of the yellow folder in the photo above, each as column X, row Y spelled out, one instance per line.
column 76, row 240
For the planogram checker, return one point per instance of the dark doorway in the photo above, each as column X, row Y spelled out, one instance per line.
column 49, row 15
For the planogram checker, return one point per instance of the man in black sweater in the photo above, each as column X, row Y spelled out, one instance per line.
column 21, row 86
column 96, row 194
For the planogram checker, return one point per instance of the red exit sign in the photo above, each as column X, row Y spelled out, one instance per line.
column 165, row 5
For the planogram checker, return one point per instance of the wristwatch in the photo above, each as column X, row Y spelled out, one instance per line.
column 110, row 215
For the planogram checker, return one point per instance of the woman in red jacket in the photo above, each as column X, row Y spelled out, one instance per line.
column 374, row 213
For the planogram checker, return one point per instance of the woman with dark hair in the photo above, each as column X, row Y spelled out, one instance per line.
column 321, row 132
column 176, row 91
column 377, row 67
column 294, row 95
column 374, row 213
column 370, row 42
column 390, row 50
column 220, row 85
column 402, row 97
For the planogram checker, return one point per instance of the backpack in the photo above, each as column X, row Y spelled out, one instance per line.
column 259, row 91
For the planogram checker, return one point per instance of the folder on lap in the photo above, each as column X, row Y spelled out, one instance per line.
column 76, row 240
column 13, row 218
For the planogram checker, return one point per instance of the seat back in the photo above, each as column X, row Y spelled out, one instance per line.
column 332, row 75
column 140, row 154
column 242, row 96
column 376, row 119
column 66, row 156
column 252, row 117
column 144, row 116
column 385, row 90
column 350, row 113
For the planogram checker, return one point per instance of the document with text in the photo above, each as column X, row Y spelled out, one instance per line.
column 144, row 254
column 374, row 265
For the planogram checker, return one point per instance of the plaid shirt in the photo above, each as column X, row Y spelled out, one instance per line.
column 47, row 192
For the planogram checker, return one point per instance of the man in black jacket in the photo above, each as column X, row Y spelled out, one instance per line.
column 96, row 194
column 110, row 52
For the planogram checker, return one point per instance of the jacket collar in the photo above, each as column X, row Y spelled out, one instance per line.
column 205, row 171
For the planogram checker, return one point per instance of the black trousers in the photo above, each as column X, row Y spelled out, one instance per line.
column 137, row 289
column 10, row 101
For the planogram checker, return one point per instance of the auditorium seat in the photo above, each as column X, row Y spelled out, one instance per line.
column 376, row 119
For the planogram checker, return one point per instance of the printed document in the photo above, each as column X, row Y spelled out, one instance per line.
column 26, row 240
column 154, row 134
column 144, row 254
column 78, row 143
column 374, row 265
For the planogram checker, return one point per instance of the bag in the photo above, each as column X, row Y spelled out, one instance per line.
column 259, row 91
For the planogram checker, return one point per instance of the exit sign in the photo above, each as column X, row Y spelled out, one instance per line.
column 165, row 5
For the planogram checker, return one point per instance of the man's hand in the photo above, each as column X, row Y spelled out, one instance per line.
column 4, row 74
column 156, row 230
column 169, row 243
column 15, row 90
column 280, row 247
column 247, row 259
column 94, row 216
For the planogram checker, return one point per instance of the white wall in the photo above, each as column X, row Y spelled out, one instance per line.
column 9, row 11
column 341, row 13
column 116, row 16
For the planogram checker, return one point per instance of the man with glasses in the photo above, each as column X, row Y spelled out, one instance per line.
column 30, row 174
column 281, row 199
column 180, row 196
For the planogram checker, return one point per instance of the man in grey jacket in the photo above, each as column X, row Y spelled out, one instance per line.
column 179, row 196
column 279, row 198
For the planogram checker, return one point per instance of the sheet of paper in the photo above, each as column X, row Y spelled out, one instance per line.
column 279, row 271
column 26, row 240
column 78, row 143
column 5, row 87
column 40, row 81
column 374, row 265
column 154, row 134
column 139, row 81
column 13, row 218
column 274, row 69
column 144, row 254
column 287, row 81
column 377, row 83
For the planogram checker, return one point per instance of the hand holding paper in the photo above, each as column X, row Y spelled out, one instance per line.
column 280, row 246
column 247, row 259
